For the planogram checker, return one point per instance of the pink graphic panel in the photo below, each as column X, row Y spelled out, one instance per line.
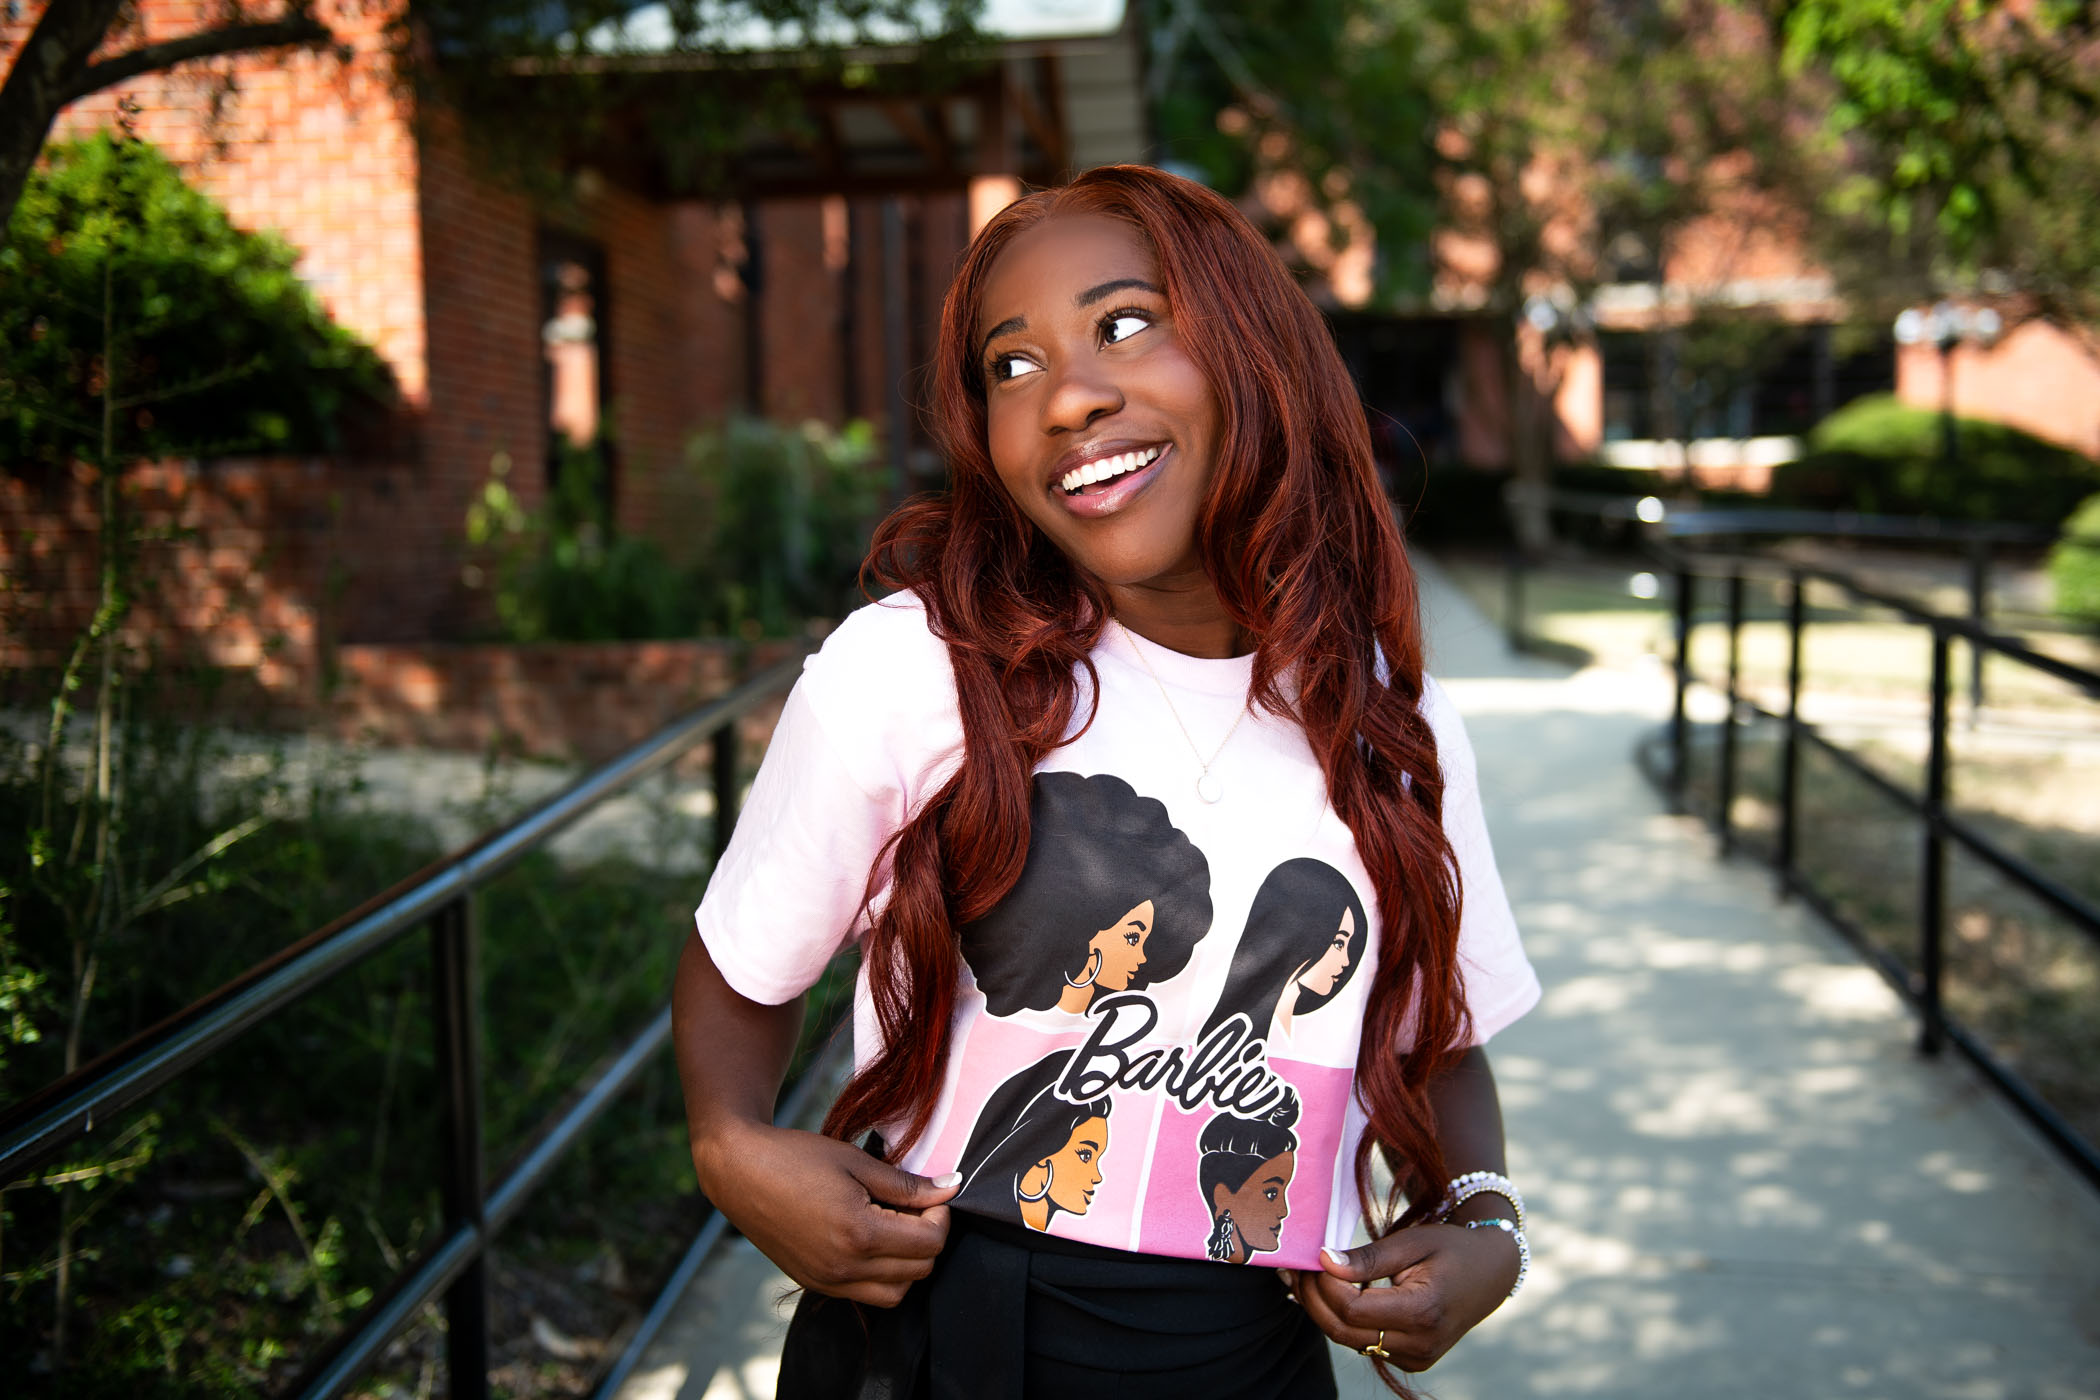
column 1179, row 1221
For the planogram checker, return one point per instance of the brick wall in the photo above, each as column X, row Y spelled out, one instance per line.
column 253, row 565
column 564, row 700
column 660, row 332
column 799, row 313
column 2036, row 378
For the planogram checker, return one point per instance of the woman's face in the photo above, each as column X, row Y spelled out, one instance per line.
column 1327, row 969
column 1099, row 424
column 1075, row 1170
column 1260, row 1207
column 1122, row 948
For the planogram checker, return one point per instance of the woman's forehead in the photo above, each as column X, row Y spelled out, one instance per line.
column 1061, row 257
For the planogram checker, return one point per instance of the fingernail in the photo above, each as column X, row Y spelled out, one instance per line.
column 948, row 1179
column 1331, row 1259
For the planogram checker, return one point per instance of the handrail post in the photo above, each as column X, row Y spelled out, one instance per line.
column 456, row 999
column 1790, row 742
column 1724, row 815
column 1932, row 893
column 723, row 774
column 1980, row 614
column 1680, row 737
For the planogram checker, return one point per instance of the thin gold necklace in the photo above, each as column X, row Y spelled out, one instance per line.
column 1207, row 786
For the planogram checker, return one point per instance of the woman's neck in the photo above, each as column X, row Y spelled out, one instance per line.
column 1181, row 613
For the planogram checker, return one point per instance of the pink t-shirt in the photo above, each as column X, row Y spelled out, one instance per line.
column 1155, row 1044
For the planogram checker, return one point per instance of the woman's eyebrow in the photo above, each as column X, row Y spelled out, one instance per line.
column 1005, row 327
column 1094, row 294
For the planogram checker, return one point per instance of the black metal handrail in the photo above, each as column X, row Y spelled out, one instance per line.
column 1655, row 519
column 445, row 898
column 1923, row 988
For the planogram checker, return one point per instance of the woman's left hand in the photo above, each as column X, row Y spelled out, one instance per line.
column 1445, row 1279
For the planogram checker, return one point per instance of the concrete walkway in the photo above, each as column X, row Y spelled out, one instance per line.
column 1744, row 1182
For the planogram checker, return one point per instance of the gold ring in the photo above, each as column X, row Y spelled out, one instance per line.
column 1378, row 1350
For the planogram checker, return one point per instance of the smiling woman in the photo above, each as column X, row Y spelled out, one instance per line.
column 1101, row 425
column 1142, row 736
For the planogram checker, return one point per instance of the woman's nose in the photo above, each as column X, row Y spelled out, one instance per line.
column 1081, row 394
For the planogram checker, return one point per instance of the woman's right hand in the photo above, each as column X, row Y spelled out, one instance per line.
column 836, row 1220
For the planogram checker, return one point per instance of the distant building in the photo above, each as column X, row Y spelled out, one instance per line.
column 624, row 309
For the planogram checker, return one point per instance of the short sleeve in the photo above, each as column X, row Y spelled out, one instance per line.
column 1499, row 981
column 867, row 734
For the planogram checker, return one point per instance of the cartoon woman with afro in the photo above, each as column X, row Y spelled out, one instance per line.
column 1033, row 1154
column 1305, row 936
column 1245, row 1167
column 1113, row 899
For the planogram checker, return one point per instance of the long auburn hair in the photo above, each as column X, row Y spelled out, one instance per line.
column 1299, row 541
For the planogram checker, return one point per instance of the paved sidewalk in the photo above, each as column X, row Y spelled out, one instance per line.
column 1744, row 1181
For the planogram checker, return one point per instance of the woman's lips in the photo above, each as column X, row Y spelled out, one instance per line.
column 1111, row 496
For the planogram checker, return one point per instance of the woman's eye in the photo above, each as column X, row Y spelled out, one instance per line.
column 1131, row 939
column 1123, row 325
column 1270, row 1193
column 1085, row 1155
column 1340, row 941
column 1004, row 367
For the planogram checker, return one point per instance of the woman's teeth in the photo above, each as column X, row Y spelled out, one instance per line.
column 1106, row 468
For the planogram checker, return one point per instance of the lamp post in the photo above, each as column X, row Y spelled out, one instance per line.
column 1947, row 325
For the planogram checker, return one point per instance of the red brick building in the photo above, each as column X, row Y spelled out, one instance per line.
column 618, row 306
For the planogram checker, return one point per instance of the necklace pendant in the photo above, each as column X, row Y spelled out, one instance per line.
column 1209, row 788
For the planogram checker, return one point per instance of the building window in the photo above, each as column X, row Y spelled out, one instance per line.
column 573, row 306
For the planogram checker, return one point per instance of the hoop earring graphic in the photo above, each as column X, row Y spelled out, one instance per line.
column 1093, row 970
column 1049, row 1175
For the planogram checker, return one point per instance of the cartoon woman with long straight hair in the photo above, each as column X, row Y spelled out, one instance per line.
column 1033, row 1154
column 1304, row 938
column 1245, row 1168
column 1113, row 899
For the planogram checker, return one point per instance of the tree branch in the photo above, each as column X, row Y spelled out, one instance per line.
column 234, row 38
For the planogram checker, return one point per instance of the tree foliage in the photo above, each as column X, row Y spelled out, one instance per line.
column 1948, row 146
column 124, row 289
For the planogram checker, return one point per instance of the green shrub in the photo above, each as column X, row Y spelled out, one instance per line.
column 562, row 573
column 788, row 512
column 218, row 346
column 791, row 512
column 2074, row 564
column 1879, row 456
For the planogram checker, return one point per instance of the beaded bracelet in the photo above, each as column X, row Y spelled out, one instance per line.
column 1465, row 1188
column 1516, row 1233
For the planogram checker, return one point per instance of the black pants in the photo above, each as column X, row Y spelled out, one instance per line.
column 1008, row 1314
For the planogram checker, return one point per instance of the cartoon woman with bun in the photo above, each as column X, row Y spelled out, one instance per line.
column 1033, row 1154
column 1245, row 1168
column 1113, row 899
column 1305, row 936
